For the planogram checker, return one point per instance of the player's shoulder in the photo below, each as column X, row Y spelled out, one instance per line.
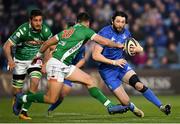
column 45, row 28
column 106, row 28
column 81, row 27
column 24, row 26
column 126, row 31
column 105, row 31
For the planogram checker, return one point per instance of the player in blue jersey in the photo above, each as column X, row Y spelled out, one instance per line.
column 79, row 61
column 114, row 69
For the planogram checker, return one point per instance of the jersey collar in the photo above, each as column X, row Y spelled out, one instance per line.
column 30, row 27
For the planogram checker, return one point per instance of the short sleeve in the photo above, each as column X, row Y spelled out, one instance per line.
column 89, row 33
column 103, row 33
column 47, row 33
column 58, row 36
column 17, row 36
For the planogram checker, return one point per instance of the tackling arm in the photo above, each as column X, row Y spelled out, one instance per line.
column 46, row 45
column 104, row 41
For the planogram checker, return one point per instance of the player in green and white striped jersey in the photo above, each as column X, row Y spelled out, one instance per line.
column 27, row 40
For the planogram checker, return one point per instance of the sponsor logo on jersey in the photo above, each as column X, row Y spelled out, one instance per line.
column 34, row 42
column 67, row 33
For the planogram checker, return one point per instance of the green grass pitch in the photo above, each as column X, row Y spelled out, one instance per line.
column 78, row 109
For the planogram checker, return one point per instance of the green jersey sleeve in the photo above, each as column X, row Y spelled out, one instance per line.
column 58, row 36
column 18, row 35
column 89, row 33
column 47, row 32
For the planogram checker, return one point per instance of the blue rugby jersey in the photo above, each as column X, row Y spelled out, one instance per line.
column 113, row 53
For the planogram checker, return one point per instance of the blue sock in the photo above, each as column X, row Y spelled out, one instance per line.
column 55, row 105
column 149, row 95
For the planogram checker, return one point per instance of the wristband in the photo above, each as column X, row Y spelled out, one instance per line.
column 39, row 54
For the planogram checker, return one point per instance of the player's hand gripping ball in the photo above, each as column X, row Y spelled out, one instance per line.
column 129, row 46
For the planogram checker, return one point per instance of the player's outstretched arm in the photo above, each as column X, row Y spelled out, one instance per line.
column 104, row 41
column 47, row 44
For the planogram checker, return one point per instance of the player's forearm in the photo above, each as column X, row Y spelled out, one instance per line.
column 113, row 44
column 101, row 58
column 47, row 56
column 80, row 63
column 104, row 41
column 46, row 45
column 7, row 51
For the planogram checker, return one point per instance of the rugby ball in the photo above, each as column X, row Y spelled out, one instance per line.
column 128, row 44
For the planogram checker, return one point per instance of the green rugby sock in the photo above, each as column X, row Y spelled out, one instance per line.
column 38, row 97
column 28, row 104
column 97, row 94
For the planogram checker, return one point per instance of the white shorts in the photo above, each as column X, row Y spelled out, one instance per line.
column 22, row 66
column 58, row 70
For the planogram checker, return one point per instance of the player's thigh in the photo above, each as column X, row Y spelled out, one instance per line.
column 111, row 79
column 21, row 67
column 81, row 77
column 128, row 75
column 121, row 94
column 56, row 70
column 19, row 74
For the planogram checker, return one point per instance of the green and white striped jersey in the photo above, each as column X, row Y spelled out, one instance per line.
column 28, row 41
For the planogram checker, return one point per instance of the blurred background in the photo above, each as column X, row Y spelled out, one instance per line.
column 154, row 23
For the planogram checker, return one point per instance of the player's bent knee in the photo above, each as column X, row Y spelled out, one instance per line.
column 139, row 86
column 133, row 80
column 136, row 83
column 35, row 74
column 90, row 81
column 143, row 89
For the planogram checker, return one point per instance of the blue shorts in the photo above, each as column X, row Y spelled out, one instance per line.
column 68, row 82
column 113, row 76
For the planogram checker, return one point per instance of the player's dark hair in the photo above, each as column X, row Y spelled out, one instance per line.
column 83, row 17
column 35, row 12
column 119, row 13
column 70, row 23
